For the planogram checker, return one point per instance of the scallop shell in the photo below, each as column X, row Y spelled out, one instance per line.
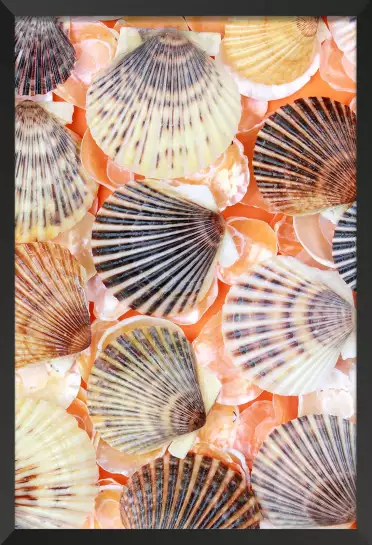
column 304, row 474
column 344, row 246
column 305, row 156
column 164, row 110
column 195, row 493
column 51, row 313
column 55, row 468
column 155, row 248
column 344, row 33
column 286, row 323
column 44, row 55
column 143, row 390
column 53, row 193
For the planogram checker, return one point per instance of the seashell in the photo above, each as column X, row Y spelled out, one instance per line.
column 155, row 248
column 195, row 493
column 143, row 390
column 305, row 156
column 55, row 468
column 53, row 193
column 304, row 475
column 44, row 56
column 286, row 323
column 344, row 246
column 51, row 313
column 344, row 33
column 174, row 111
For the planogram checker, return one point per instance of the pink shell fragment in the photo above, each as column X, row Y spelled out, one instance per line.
column 332, row 69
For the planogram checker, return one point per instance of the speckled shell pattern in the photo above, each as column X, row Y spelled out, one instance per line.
column 344, row 246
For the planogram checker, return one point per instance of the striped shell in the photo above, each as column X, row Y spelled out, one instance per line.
column 51, row 309
column 164, row 110
column 55, row 468
column 344, row 33
column 155, row 248
column 304, row 475
column 199, row 492
column 286, row 323
column 305, row 156
column 344, row 246
column 43, row 54
column 143, row 390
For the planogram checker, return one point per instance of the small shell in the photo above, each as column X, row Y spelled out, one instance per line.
column 51, row 312
column 55, row 468
column 44, row 55
column 166, row 91
column 344, row 246
column 286, row 323
column 143, row 390
column 304, row 475
column 305, row 156
column 344, row 30
column 155, row 248
column 195, row 493
column 53, row 193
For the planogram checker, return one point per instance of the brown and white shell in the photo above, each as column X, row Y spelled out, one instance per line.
column 344, row 246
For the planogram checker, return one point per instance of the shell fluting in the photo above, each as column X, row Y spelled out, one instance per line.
column 198, row 492
column 285, row 327
column 44, row 55
column 143, row 390
column 51, row 310
column 344, row 246
column 156, row 249
column 304, row 474
column 164, row 110
column 305, row 156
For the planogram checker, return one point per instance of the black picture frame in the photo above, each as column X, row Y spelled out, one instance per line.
column 363, row 10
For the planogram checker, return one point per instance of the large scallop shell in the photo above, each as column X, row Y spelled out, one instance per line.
column 164, row 110
column 51, row 312
column 155, row 248
column 55, row 468
column 143, row 390
column 198, row 492
column 304, row 474
column 305, row 156
column 44, row 55
column 286, row 323
column 53, row 192
column 344, row 246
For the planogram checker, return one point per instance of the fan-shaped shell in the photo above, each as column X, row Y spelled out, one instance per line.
column 344, row 246
column 305, row 156
column 51, row 312
column 164, row 110
column 44, row 55
column 55, row 468
column 344, row 30
column 53, row 192
column 304, row 474
column 286, row 323
column 143, row 390
column 155, row 248
column 195, row 493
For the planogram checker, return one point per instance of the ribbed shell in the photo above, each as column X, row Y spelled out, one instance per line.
column 164, row 110
column 44, row 56
column 143, row 390
column 286, row 327
column 55, row 468
column 344, row 246
column 344, row 33
column 305, row 156
column 304, row 474
column 271, row 50
column 195, row 493
column 51, row 309
column 156, row 249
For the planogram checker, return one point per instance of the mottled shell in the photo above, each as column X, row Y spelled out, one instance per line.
column 344, row 246
column 55, row 468
column 305, row 156
column 198, row 492
column 156, row 249
column 51, row 309
column 304, row 475
column 164, row 110
column 43, row 54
